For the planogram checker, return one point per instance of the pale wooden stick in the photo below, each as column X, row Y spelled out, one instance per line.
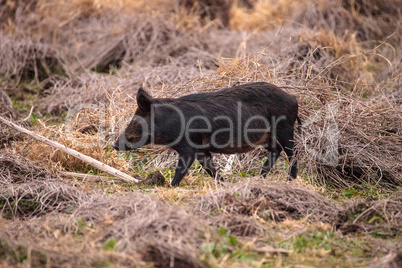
column 89, row 160
column 176, row 190
column 91, row 178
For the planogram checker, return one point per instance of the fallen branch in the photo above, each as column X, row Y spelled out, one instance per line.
column 91, row 178
column 89, row 160
column 156, row 190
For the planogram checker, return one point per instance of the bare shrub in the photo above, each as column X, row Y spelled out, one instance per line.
column 144, row 230
column 362, row 135
column 232, row 206
column 11, row 10
column 27, row 60
column 325, row 52
column 210, row 9
column 264, row 14
column 27, row 191
column 379, row 217
column 7, row 110
column 369, row 19
column 87, row 144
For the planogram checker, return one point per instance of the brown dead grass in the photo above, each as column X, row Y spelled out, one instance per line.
column 331, row 118
column 369, row 19
column 264, row 15
column 379, row 217
column 7, row 111
column 28, row 191
column 26, row 60
column 243, row 207
column 334, row 55
column 89, row 145
column 160, row 238
column 68, row 222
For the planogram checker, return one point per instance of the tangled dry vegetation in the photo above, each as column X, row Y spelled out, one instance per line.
column 44, row 215
column 69, row 70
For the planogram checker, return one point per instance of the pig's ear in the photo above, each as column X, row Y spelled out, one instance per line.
column 144, row 100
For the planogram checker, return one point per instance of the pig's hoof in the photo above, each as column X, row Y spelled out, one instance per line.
column 155, row 178
column 289, row 178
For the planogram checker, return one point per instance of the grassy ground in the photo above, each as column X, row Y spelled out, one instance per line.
column 69, row 70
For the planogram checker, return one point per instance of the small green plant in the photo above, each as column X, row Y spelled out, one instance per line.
column 350, row 193
column 225, row 244
column 313, row 241
column 110, row 244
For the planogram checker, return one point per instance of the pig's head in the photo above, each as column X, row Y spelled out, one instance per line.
column 137, row 132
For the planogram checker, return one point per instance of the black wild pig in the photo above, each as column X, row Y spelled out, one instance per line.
column 231, row 120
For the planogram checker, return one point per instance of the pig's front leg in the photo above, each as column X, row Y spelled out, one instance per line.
column 184, row 163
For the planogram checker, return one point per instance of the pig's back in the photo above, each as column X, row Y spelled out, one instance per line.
column 253, row 92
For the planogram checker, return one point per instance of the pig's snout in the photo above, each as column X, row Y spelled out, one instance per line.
column 121, row 144
column 116, row 146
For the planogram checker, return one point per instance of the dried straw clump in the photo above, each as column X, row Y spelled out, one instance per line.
column 346, row 139
column 340, row 60
column 168, row 234
column 264, row 15
column 351, row 142
column 382, row 217
column 7, row 111
column 210, row 9
column 232, row 207
column 143, row 229
column 104, row 43
column 27, row 60
column 46, row 241
column 87, row 144
column 370, row 19
column 51, row 98
column 10, row 11
column 323, row 58
column 246, row 69
column 27, row 191
column 105, row 38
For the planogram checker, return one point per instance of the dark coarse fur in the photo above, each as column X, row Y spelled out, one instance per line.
column 231, row 120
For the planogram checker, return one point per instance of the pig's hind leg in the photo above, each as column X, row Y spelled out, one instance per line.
column 287, row 143
column 184, row 163
column 273, row 154
column 207, row 163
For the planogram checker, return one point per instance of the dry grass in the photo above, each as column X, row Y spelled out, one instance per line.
column 264, row 15
column 369, row 19
column 88, row 58
column 382, row 217
column 365, row 137
column 27, row 60
column 27, row 191
column 7, row 110
column 350, row 123
column 243, row 207
column 87, row 144
column 60, row 218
